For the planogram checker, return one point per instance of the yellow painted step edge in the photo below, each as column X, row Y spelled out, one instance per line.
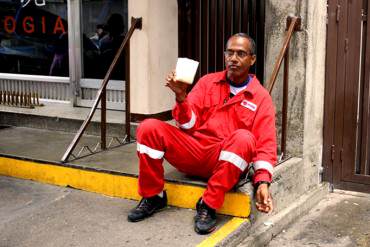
column 223, row 232
column 179, row 195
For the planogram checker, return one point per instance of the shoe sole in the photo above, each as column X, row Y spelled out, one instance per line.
column 155, row 211
column 205, row 232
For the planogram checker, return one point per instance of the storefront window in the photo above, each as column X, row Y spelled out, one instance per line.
column 33, row 37
column 103, row 24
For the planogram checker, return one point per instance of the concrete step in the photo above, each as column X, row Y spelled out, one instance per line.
column 63, row 117
column 35, row 154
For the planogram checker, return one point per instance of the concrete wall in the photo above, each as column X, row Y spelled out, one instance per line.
column 306, row 78
column 153, row 51
column 275, row 24
column 314, row 90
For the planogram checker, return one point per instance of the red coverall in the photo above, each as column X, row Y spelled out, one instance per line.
column 218, row 137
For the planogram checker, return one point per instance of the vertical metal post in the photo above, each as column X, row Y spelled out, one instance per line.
column 74, row 53
column 127, row 93
column 285, row 102
column 103, row 119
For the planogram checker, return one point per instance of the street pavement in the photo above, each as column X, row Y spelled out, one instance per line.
column 342, row 219
column 34, row 214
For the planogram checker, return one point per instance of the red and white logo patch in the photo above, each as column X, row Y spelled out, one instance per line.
column 247, row 104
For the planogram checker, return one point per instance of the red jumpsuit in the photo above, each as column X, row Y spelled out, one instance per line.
column 218, row 137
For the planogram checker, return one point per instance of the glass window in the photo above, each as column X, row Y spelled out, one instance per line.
column 33, row 37
column 103, row 24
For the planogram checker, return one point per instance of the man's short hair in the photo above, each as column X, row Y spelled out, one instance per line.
column 251, row 41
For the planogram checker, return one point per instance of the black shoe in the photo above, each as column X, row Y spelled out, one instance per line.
column 147, row 207
column 205, row 219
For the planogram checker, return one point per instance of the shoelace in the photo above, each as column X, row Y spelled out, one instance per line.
column 203, row 214
column 145, row 204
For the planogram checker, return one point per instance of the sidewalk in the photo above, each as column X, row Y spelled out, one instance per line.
column 39, row 215
column 341, row 219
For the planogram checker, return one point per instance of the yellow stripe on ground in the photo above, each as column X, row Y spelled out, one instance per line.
column 223, row 232
column 179, row 195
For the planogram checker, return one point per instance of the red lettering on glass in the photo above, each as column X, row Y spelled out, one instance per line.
column 31, row 24
column 28, row 24
column 59, row 26
column 10, row 29
column 43, row 24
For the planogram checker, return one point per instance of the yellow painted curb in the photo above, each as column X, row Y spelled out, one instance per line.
column 179, row 195
column 223, row 232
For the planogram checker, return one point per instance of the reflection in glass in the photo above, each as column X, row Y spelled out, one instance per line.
column 103, row 24
column 33, row 38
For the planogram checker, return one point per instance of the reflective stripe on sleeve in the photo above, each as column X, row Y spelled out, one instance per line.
column 234, row 159
column 189, row 124
column 261, row 164
column 152, row 153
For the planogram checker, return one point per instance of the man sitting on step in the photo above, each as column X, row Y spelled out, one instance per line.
column 225, row 123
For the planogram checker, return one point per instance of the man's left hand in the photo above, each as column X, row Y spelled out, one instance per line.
column 264, row 199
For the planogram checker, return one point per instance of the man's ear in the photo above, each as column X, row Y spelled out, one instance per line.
column 253, row 59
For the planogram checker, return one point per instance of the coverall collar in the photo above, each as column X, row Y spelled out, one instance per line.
column 252, row 85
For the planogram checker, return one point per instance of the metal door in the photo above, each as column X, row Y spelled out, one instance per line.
column 205, row 26
column 347, row 111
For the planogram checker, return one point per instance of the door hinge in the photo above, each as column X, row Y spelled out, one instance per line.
column 338, row 12
column 332, row 152
column 346, row 44
column 363, row 15
column 341, row 154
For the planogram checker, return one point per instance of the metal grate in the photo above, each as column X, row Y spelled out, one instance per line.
column 44, row 89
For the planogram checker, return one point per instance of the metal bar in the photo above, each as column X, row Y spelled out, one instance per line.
column 96, row 147
column 285, row 103
column 37, row 78
column 127, row 94
column 103, row 119
column 294, row 25
column 136, row 23
column 110, row 142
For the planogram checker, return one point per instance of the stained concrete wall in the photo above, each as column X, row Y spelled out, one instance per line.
column 306, row 78
column 275, row 24
column 153, row 53
column 314, row 90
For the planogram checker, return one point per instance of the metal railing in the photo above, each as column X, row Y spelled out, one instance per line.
column 293, row 24
column 136, row 23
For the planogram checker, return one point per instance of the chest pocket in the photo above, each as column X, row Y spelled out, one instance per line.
column 211, row 104
column 245, row 112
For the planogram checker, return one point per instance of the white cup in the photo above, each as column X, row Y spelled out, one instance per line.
column 186, row 69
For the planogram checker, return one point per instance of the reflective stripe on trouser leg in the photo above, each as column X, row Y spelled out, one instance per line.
column 150, row 154
column 223, row 179
column 237, row 152
column 151, row 175
column 181, row 150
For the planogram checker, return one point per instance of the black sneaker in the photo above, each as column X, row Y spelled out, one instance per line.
column 205, row 219
column 147, row 207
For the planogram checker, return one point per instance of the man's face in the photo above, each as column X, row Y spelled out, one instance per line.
column 238, row 59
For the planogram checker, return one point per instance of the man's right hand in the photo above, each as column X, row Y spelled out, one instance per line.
column 178, row 87
column 263, row 199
